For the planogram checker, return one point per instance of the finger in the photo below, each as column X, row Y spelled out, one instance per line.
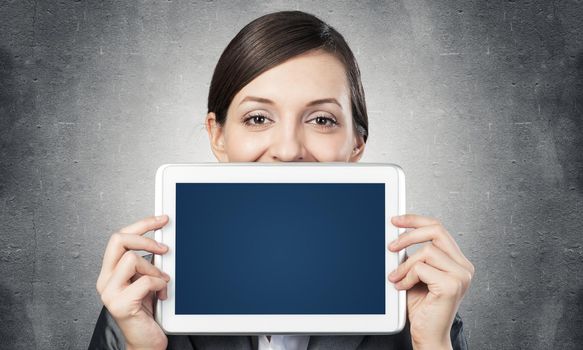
column 127, row 267
column 129, row 301
column 438, row 282
column 118, row 245
column 434, row 257
column 143, row 287
column 119, row 242
column 434, row 233
column 163, row 293
column 437, row 235
column 413, row 221
column 146, row 224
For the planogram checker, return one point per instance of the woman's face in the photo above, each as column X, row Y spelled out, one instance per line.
column 297, row 111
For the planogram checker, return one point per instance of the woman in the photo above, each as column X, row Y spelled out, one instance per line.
column 287, row 88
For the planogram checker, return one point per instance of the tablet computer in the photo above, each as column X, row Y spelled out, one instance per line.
column 274, row 248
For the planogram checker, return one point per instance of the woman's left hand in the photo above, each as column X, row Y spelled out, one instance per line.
column 436, row 277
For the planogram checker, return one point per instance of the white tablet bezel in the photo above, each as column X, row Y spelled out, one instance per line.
column 169, row 174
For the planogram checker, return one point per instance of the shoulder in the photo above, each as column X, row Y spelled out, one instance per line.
column 402, row 340
column 458, row 339
column 106, row 334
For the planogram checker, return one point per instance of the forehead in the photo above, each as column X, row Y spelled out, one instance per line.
column 301, row 79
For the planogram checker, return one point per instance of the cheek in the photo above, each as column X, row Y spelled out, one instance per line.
column 331, row 148
column 245, row 146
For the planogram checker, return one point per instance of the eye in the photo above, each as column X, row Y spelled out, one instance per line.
column 255, row 120
column 325, row 121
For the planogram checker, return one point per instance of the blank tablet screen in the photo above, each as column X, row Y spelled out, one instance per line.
column 280, row 248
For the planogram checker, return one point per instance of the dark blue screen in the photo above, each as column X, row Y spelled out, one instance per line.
column 280, row 248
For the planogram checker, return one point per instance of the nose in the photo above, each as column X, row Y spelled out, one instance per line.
column 287, row 144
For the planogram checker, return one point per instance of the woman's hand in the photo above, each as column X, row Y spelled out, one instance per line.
column 128, row 284
column 436, row 277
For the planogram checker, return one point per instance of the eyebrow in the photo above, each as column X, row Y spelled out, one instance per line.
column 310, row 104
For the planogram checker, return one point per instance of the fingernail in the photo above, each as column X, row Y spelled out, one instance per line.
column 161, row 245
column 391, row 276
column 394, row 244
column 393, row 273
column 160, row 217
column 166, row 276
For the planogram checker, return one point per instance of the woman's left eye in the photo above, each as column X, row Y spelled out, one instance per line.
column 325, row 121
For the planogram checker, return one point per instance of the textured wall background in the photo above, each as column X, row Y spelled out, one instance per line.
column 480, row 102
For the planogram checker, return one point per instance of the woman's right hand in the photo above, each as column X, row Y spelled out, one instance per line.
column 128, row 284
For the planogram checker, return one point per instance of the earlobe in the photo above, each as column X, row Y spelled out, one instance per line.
column 358, row 149
column 216, row 138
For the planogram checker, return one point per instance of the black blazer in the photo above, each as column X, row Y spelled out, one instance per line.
column 107, row 335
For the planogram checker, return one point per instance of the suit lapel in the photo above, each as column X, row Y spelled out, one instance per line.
column 325, row 342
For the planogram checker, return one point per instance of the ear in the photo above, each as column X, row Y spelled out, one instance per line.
column 216, row 137
column 357, row 149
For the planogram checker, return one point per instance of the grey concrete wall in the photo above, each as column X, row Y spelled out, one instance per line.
column 480, row 102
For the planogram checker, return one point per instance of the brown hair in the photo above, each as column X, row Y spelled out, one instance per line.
column 269, row 41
